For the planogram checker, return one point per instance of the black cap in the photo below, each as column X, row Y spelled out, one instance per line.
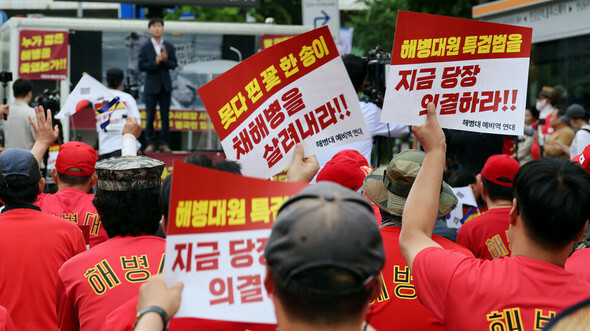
column 325, row 230
column 16, row 161
column 573, row 112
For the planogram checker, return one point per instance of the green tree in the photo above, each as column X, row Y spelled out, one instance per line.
column 284, row 12
column 209, row 14
column 376, row 25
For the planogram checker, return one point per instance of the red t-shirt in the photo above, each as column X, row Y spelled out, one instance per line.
column 397, row 307
column 377, row 213
column 5, row 320
column 123, row 318
column 76, row 206
column 579, row 263
column 33, row 246
column 486, row 236
column 93, row 284
column 513, row 293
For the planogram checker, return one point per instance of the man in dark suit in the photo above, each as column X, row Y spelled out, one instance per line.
column 156, row 58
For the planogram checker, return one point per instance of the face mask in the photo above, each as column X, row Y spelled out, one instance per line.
column 541, row 104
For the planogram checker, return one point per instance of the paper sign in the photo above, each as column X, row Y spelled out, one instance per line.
column 43, row 55
column 218, row 226
column 475, row 72
column 465, row 197
column 295, row 91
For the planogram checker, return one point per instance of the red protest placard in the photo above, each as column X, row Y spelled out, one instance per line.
column 218, row 225
column 308, row 99
column 231, row 97
column 43, row 55
column 426, row 38
column 205, row 200
column 474, row 72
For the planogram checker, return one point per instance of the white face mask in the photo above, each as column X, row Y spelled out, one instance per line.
column 541, row 104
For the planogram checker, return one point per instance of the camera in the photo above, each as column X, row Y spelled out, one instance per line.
column 49, row 99
column 5, row 77
column 378, row 63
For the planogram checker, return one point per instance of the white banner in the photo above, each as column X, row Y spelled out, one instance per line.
column 477, row 95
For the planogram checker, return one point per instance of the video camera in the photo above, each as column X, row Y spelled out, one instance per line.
column 378, row 63
column 5, row 77
column 49, row 99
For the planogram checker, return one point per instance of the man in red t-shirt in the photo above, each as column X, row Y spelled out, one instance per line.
column 348, row 168
column 93, row 284
column 74, row 174
column 33, row 245
column 485, row 235
column 521, row 292
column 387, row 187
column 123, row 318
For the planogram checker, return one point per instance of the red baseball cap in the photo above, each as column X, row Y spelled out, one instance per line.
column 355, row 155
column 344, row 171
column 584, row 159
column 77, row 155
column 500, row 169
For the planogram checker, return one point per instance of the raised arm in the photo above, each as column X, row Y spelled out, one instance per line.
column 154, row 294
column 421, row 208
column 302, row 169
column 131, row 131
column 45, row 133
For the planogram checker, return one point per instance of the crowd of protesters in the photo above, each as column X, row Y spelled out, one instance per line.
column 518, row 260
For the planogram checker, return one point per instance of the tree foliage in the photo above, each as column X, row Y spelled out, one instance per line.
column 284, row 12
column 372, row 27
column 376, row 25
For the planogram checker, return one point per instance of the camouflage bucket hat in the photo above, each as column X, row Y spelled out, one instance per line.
column 129, row 173
column 389, row 186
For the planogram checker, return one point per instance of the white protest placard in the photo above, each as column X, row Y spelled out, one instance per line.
column 215, row 244
column 475, row 73
column 295, row 91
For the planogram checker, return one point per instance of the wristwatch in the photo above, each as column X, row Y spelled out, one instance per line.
column 154, row 309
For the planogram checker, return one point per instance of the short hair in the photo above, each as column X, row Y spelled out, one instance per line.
column 21, row 87
column 356, row 68
column 327, row 313
column 164, row 200
column 550, row 93
column 73, row 180
column 199, row 159
column 129, row 213
column 114, row 77
column 461, row 178
column 19, row 190
column 576, row 317
column 553, row 197
column 155, row 20
column 497, row 192
column 228, row 166
column 534, row 112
